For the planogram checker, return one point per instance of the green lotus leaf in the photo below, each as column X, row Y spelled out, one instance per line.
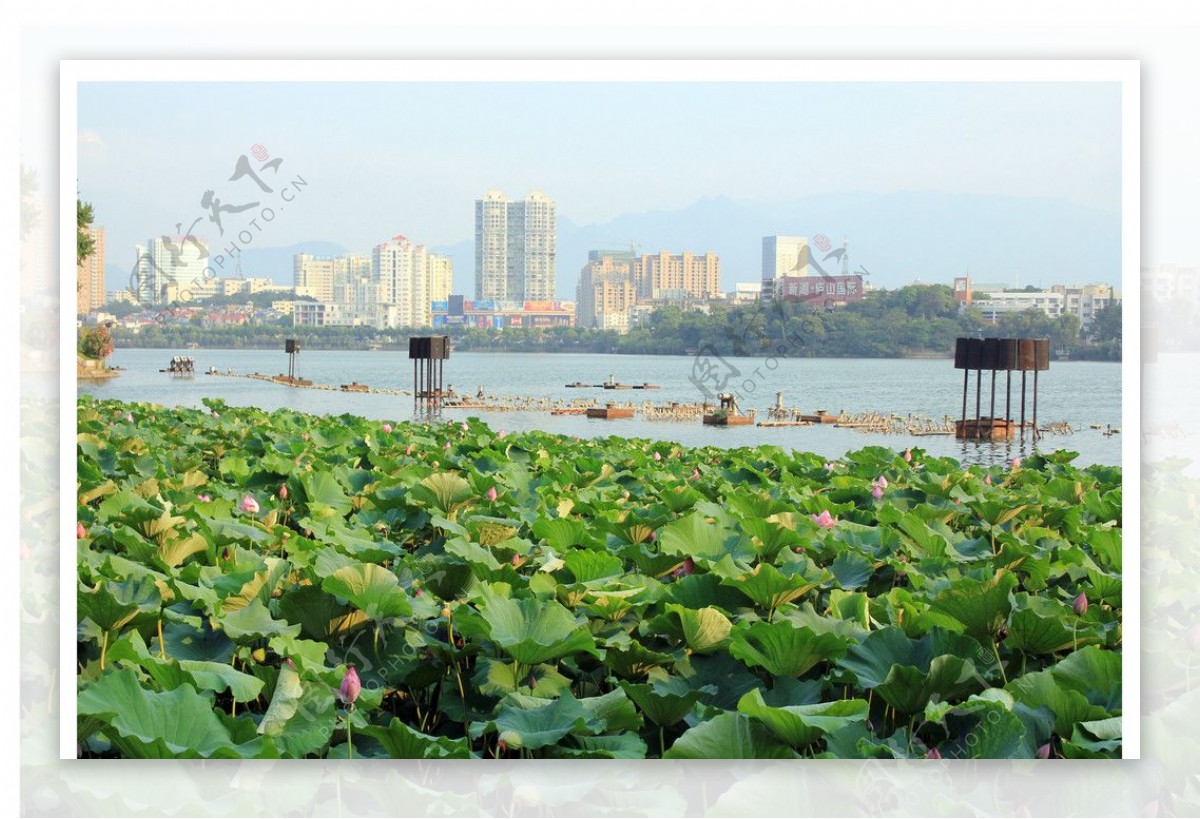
column 664, row 701
column 179, row 723
column 370, row 588
column 771, row 588
column 533, row 631
column 324, row 496
column 627, row 745
column 402, row 741
column 301, row 716
column 782, row 648
column 984, row 730
column 560, row 534
column 693, row 536
column 113, row 605
column 1040, row 688
column 907, row 672
column 802, row 725
column 254, row 622
column 1041, row 626
column 586, row 565
column 704, row 630
column 981, row 606
column 318, row 613
column 1093, row 672
column 444, row 492
column 532, row 723
column 729, row 736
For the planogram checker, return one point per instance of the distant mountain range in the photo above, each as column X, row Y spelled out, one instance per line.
column 897, row 238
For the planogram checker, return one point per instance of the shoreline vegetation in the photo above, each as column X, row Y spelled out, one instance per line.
column 266, row 584
column 912, row 322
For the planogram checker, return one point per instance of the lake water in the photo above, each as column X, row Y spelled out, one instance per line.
column 1078, row 393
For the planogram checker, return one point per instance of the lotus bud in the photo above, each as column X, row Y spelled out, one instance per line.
column 408, row 450
column 933, row 753
column 881, row 482
column 653, row 537
column 1044, row 751
column 351, row 687
column 249, row 505
column 203, row 498
column 501, row 434
column 225, row 553
column 877, row 491
column 908, row 455
column 1080, row 604
column 80, row 532
column 657, row 457
column 1016, row 462
column 387, row 427
column 129, row 417
column 466, row 428
column 687, row 567
column 445, row 611
column 695, row 474
column 516, row 560
column 289, row 662
column 987, row 479
column 305, row 436
column 447, row 446
column 283, row 492
column 502, row 746
column 491, row 493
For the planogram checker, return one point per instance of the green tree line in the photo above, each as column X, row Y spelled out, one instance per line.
column 914, row 321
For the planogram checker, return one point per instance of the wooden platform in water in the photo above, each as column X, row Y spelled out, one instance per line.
column 785, row 423
column 718, row 419
column 609, row 413
column 354, row 386
column 985, row 428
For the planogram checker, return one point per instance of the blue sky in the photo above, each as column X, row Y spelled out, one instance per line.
column 387, row 158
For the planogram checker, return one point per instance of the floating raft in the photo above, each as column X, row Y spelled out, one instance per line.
column 722, row 419
column 612, row 385
column 609, row 413
column 569, row 411
column 785, row 423
column 985, row 428
column 822, row 417
column 354, row 386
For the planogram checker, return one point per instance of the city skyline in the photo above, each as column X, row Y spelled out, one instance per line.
column 757, row 143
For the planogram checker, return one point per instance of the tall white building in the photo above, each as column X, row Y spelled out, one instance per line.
column 783, row 256
column 170, row 268
column 400, row 271
column 515, row 247
column 441, row 277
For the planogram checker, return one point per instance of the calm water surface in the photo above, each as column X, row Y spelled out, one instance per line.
column 1079, row 393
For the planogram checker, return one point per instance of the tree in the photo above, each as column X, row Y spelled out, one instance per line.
column 95, row 342
column 85, row 245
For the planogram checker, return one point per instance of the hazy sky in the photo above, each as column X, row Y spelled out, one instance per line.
column 387, row 158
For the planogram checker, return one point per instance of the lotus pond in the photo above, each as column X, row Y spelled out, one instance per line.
column 530, row 595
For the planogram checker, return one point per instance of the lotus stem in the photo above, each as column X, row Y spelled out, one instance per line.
column 662, row 741
column 162, row 646
column 103, row 649
column 350, row 731
column 996, row 651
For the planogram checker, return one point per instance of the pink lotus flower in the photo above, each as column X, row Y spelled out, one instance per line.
column 249, row 504
column 825, row 520
column 1080, row 604
column 687, row 567
column 516, row 560
column 351, row 687
column 877, row 491
column 1044, row 751
column 283, row 492
column 290, row 663
column 987, row 479
column 491, row 493
column 387, row 427
column 215, row 415
column 657, row 457
column 501, row 434
column 80, row 532
column 908, row 455
column 305, row 436
column 653, row 537
column 408, row 450
column 465, row 428
column 829, row 467
column 695, row 474
column 933, row 753
column 129, row 417
column 447, row 446
column 881, row 482
column 203, row 498
column 1015, row 463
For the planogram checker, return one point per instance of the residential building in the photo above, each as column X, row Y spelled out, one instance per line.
column 170, row 260
column 746, row 292
column 441, row 277
column 667, row 276
column 400, row 269
column 91, row 275
column 315, row 275
column 783, row 256
column 994, row 300
column 515, row 247
column 606, row 274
